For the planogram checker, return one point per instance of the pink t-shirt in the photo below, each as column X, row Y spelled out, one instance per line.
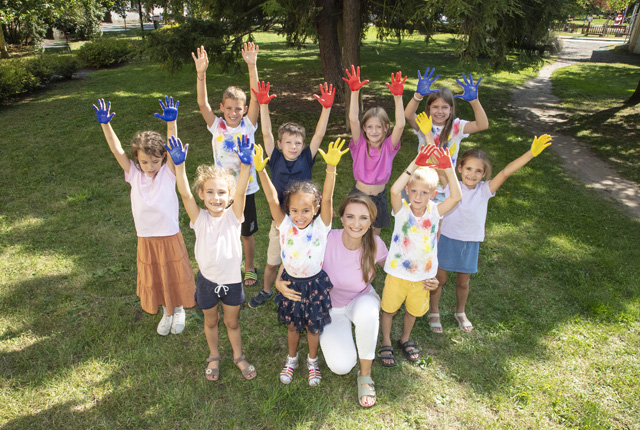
column 344, row 269
column 373, row 168
column 154, row 202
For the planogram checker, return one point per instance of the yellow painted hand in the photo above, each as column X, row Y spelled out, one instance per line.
column 539, row 144
column 424, row 122
column 333, row 155
column 258, row 153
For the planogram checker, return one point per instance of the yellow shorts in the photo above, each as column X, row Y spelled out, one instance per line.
column 412, row 294
column 273, row 251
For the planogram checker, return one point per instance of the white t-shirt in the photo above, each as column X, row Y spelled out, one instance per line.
column 466, row 221
column 218, row 249
column 302, row 251
column 413, row 253
column 154, row 202
column 225, row 140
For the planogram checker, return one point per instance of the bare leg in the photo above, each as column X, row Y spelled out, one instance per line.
column 365, row 370
column 270, row 273
column 231, row 321
column 434, row 304
column 211, row 333
column 407, row 325
column 313, row 339
column 377, row 231
column 462, row 293
column 293, row 338
column 248, row 247
column 385, row 327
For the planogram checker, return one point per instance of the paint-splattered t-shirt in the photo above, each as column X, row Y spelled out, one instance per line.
column 302, row 251
column 225, row 140
column 413, row 253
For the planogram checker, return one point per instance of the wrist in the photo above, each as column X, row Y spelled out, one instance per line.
column 418, row 97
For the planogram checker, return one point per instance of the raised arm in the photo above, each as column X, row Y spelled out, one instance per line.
column 470, row 94
column 396, row 189
column 354, row 84
column 170, row 115
column 201, row 61
column 444, row 163
column 422, row 90
column 397, row 88
column 537, row 146
column 332, row 158
column 178, row 154
column 244, row 151
column 263, row 97
column 269, row 190
column 104, row 118
column 250, row 55
column 326, row 100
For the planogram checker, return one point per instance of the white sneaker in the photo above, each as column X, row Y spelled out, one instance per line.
column 164, row 327
column 178, row 320
column 286, row 375
column 314, row 371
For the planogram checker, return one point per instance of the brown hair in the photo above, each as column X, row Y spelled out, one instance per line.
column 446, row 95
column 480, row 155
column 149, row 142
column 204, row 172
column 369, row 250
column 379, row 113
column 291, row 128
column 306, row 187
column 234, row 93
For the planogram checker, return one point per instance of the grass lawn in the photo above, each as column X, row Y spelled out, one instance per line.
column 555, row 304
column 593, row 95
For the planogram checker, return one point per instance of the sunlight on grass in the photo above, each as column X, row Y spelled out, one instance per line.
column 20, row 261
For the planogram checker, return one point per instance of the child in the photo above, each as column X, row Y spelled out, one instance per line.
column 165, row 276
column 463, row 227
column 448, row 130
column 373, row 145
column 412, row 260
column 303, row 238
column 238, row 120
column 217, row 249
column 290, row 161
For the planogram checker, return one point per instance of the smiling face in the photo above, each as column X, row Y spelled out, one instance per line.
column 149, row 164
column 375, row 131
column 356, row 220
column 233, row 110
column 439, row 111
column 291, row 145
column 302, row 209
column 471, row 172
column 215, row 195
column 419, row 193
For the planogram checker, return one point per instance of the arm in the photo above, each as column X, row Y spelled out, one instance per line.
column 332, row 158
column 326, row 100
column 269, row 190
column 283, row 287
column 263, row 97
column 538, row 145
column 178, row 154
column 202, row 62
column 245, row 154
column 470, row 94
column 456, row 192
column 397, row 88
column 354, row 85
column 250, row 55
column 104, row 117
column 170, row 115
column 396, row 189
column 422, row 90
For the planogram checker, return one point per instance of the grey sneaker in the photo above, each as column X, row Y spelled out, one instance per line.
column 260, row 299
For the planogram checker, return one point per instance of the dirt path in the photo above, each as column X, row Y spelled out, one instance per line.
column 539, row 112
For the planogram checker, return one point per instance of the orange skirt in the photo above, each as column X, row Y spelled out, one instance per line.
column 165, row 276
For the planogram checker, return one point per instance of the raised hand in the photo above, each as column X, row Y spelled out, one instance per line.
column 425, row 82
column 539, row 144
column 177, row 152
column 244, row 150
column 102, row 112
column 263, row 93
column 258, row 162
column 470, row 89
column 169, row 111
column 443, row 158
column 354, row 79
column 425, row 153
column 201, row 59
column 396, row 87
column 332, row 156
column 250, row 53
column 326, row 95
column 424, row 122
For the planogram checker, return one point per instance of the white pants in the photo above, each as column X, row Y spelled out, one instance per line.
column 336, row 341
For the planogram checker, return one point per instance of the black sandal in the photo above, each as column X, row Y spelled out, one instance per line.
column 409, row 348
column 389, row 357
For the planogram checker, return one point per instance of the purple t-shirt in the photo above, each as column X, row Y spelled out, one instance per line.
column 343, row 267
column 373, row 168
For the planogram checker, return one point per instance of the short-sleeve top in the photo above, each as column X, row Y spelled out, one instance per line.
column 413, row 253
column 344, row 268
column 466, row 221
column 154, row 202
column 224, row 141
column 455, row 137
column 373, row 168
column 302, row 251
column 218, row 249
column 284, row 171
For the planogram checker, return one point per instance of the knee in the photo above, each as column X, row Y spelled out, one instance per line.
column 211, row 322
column 231, row 323
column 341, row 365
column 367, row 318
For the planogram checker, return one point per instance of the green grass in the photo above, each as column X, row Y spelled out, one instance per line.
column 593, row 95
column 555, row 303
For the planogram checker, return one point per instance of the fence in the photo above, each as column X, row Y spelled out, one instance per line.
column 599, row 29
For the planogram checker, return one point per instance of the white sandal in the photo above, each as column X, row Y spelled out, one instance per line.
column 286, row 374
column 464, row 325
column 314, row 371
column 436, row 327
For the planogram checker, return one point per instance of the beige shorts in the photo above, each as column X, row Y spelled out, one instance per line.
column 273, row 251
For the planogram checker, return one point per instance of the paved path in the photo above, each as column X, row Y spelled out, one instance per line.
column 539, row 111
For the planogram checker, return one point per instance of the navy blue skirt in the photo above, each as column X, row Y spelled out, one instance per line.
column 312, row 311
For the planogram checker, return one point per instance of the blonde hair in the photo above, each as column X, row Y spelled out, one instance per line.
column 291, row 128
column 379, row 113
column 234, row 93
column 368, row 247
column 480, row 155
column 425, row 175
column 149, row 142
column 446, row 95
column 205, row 172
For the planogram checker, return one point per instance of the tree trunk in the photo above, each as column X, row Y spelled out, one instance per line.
column 327, row 28
column 140, row 13
column 350, row 46
column 3, row 45
column 635, row 97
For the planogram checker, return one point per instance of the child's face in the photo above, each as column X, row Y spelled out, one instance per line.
column 356, row 220
column 375, row 131
column 149, row 164
column 215, row 195
column 419, row 193
column 472, row 172
column 439, row 111
column 233, row 111
column 302, row 209
column 291, row 146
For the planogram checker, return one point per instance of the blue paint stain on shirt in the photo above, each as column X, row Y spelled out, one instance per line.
column 406, row 264
column 229, row 145
column 309, row 236
column 396, row 238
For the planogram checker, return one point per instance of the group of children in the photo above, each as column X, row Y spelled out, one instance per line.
column 439, row 220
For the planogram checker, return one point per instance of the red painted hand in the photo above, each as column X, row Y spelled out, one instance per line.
column 327, row 95
column 354, row 79
column 396, row 87
column 263, row 93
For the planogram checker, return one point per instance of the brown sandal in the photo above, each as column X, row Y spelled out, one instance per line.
column 210, row 373
column 248, row 370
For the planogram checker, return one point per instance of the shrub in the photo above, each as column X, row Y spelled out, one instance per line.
column 105, row 52
column 21, row 76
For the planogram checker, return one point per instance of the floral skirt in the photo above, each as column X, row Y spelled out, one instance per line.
column 312, row 311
